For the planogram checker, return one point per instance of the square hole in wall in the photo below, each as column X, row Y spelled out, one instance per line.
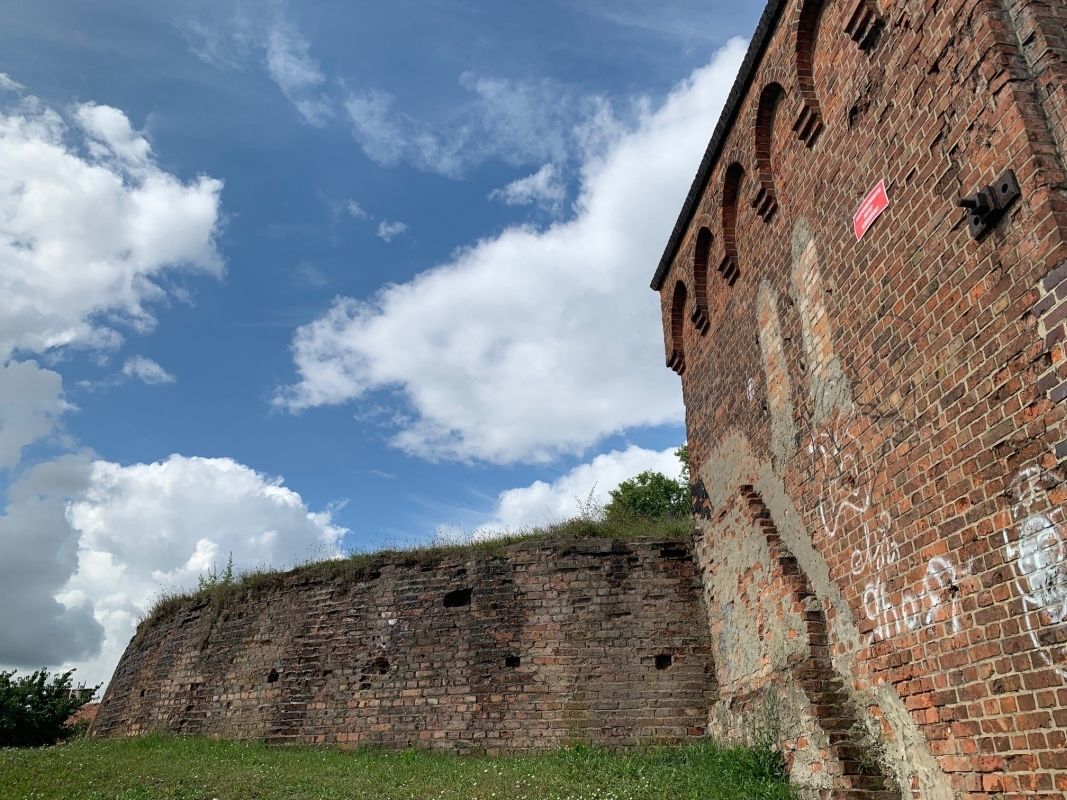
column 457, row 598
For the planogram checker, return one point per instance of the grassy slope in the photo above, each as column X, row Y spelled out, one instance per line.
column 189, row 768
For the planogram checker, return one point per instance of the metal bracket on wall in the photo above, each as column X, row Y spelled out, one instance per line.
column 988, row 204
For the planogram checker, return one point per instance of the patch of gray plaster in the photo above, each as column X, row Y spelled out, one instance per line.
column 802, row 236
column 724, row 645
column 752, row 639
column 782, row 712
column 776, row 373
column 829, row 389
column 733, row 464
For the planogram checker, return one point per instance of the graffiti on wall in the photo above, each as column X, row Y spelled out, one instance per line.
column 933, row 604
column 895, row 599
column 840, row 460
column 1036, row 548
column 844, row 502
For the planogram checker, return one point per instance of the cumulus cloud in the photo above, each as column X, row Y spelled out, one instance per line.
column 573, row 493
column 146, row 370
column 85, row 546
column 543, row 188
column 89, row 227
column 112, row 135
column 389, row 230
column 517, row 122
column 532, row 343
column 89, row 223
column 38, row 554
column 31, row 402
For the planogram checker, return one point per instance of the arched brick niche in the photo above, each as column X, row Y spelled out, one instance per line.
column 731, row 190
column 676, row 357
column 809, row 122
column 864, row 24
column 766, row 202
column 701, row 255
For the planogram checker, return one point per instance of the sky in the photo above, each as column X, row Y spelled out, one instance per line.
column 283, row 281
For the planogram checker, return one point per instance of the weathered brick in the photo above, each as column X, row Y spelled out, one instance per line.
column 591, row 640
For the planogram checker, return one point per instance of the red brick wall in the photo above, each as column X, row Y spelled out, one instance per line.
column 877, row 428
column 584, row 641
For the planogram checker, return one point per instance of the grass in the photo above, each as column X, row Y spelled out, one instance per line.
column 167, row 767
column 356, row 565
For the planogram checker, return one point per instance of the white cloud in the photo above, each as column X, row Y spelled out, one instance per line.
column 113, row 136
column 38, row 554
column 390, row 230
column 232, row 35
column 515, row 122
column 296, row 73
column 31, row 401
column 9, row 85
column 310, row 276
column 103, row 538
column 535, row 342
column 355, row 210
column 146, row 370
column 543, row 188
column 89, row 224
column 584, row 488
column 371, row 116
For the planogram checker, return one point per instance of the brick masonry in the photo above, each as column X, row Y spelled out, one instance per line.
column 593, row 641
column 877, row 428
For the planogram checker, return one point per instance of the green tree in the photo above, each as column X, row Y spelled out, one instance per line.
column 34, row 708
column 683, row 456
column 653, row 495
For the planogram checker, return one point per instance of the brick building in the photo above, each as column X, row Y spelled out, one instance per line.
column 876, row 417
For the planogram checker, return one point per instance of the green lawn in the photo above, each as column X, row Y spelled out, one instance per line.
column 189, row 768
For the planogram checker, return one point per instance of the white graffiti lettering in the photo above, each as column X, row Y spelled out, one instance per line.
column 839, row 461
column 1038, row 552
column 936, row 603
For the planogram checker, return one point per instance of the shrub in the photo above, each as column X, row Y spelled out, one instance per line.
column 34, row 709
column 653, row 495
column 213, row 578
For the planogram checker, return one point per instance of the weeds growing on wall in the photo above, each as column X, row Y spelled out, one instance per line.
column 220, row 587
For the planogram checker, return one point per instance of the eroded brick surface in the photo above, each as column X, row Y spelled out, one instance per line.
column 589, row 641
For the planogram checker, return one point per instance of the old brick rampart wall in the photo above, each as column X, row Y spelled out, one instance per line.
column 541, row 644
column 877, row 426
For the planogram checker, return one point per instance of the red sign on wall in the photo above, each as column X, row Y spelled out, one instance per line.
column 873, row 204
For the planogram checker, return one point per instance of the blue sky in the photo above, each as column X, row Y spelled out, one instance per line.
column 290, row 279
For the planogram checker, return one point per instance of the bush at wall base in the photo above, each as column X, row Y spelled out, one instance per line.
column 34, row 708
